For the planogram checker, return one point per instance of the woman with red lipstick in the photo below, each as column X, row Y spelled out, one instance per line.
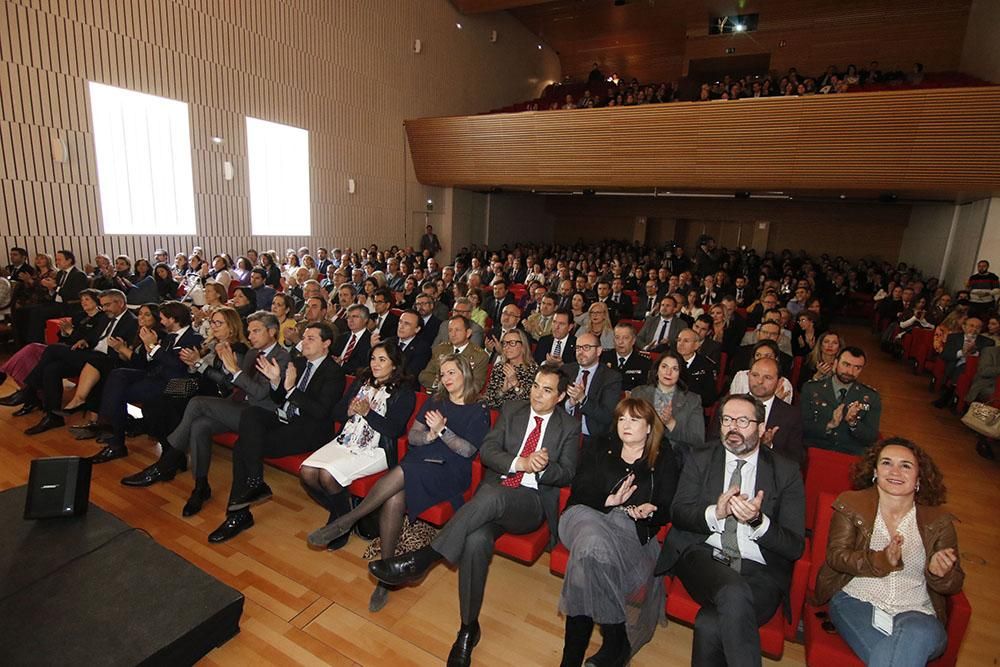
column 621, row 498
column 892, row 558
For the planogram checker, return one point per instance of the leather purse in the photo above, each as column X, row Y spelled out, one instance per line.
column 181, row 388
column 983, row 419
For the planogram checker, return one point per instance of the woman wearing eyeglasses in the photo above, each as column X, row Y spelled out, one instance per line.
column 679, row 410
column 511, row 377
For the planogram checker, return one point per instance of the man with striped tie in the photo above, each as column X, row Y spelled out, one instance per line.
column 528, row 456
column 354, row 345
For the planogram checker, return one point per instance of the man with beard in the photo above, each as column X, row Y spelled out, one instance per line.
column 840, row 413
column 738, row 528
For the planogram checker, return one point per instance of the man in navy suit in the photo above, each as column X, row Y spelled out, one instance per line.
column 528, row 456
column 559, row 346
column 416, row 351
column 302, row 422
column 158, row 363
column 739, row 527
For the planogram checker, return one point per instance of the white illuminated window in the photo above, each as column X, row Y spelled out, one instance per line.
column 143, row 151
column 279, row 178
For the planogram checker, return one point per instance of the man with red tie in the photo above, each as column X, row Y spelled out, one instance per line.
column 353, row 346
column 528, row 456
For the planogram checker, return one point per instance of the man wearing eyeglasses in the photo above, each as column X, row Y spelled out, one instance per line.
column 738, row 528
column 594, row 388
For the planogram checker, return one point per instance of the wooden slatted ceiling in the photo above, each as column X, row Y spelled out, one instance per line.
column 926, row 140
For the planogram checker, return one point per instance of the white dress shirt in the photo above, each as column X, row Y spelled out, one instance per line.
column 746, row 535
column 530, row 479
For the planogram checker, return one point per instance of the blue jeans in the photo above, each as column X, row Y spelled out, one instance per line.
column 916, row 637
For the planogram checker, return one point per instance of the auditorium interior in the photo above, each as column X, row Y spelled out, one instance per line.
column 846, row 149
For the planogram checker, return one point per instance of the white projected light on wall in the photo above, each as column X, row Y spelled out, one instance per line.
column 143, row 151
column 279, row 178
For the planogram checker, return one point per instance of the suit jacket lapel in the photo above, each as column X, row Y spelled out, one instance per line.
column 717, row 472
column 765, row 479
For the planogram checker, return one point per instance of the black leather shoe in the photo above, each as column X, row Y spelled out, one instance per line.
column 109, row 453
column 151, row 475
column 48, row 423
column 12, row 400
column 985, row 449
column 26, row 409
column 404, row 569
column 254, row 496
column 197, row 499
column 66, row 412
column 234, row 524
column 461, row 651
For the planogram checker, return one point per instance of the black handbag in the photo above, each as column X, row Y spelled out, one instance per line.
column 181, row 388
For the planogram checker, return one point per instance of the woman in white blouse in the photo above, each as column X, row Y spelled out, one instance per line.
column 892, row 558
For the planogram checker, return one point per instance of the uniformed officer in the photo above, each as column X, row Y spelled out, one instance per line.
column 840, row 413
column 625, row 359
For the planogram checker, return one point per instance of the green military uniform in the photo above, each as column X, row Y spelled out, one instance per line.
column 819, row 399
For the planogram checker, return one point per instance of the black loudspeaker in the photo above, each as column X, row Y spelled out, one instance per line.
column 58, row 486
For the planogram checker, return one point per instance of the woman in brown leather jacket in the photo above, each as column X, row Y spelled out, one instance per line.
column 892, row 557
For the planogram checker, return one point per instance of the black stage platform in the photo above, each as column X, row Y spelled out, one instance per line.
column 94, row 590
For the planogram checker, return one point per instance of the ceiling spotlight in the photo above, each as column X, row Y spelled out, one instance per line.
column 539, row 47
column 843, row 196
column 458, row 25
column 740, row 27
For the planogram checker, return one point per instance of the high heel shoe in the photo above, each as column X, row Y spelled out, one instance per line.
column 67, row 411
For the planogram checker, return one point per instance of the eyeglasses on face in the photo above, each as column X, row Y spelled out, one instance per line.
column 587, row 348
column 511, row 343
column 742, row 422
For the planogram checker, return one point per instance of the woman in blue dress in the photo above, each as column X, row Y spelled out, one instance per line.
column 445, row 436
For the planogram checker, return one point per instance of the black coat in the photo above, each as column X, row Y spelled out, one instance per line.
column 634, row 374
column 312, row 424
column 700, row 378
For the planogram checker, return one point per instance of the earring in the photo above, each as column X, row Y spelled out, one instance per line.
column 874, row 477
column 917, row 489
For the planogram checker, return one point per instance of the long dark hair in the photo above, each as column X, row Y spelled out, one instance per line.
column 398, row 375
column 654, row 371
column 931, row 491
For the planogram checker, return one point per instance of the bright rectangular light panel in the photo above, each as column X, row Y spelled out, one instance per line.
column 143, row 153
column 279, row 179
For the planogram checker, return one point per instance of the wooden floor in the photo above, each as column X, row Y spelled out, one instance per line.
column 308, row 607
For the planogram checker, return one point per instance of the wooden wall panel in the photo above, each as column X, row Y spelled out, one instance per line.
column 917, row 141
column 342, row 70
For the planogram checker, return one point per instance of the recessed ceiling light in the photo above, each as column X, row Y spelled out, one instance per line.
column 458, row 25
column 539, row 47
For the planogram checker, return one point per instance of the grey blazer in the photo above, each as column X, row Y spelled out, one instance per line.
column 562, row 440
column 690, row 429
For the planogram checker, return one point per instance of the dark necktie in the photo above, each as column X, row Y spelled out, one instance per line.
column 621, row 363
column 663, row 330
column 842, row 394
column 730, row 542
column 304, row 381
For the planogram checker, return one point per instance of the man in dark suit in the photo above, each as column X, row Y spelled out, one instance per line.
column 559, row 346
column 698, row 372
column 743, row 293
column 429, row 242
column 594, row 388
column 528, row 456
column 206, row 416
column 958, row 349
column 19, row 264
column 354, row 345
column 661, row 329
column 429, row 323
column 770, row 332
column 710, row 347
column 382, row 321
column 649, row 304
column 495, row 303
column 632, row 366
column 622, row 302
column 783, row 432
column 738, row 528
column 415, row 350
column 158, row 363
column 302, row 422
column 63, row 361
column 65, row 288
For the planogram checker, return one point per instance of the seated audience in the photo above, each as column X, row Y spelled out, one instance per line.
column 624, row 358
column 765, row 349
column 679, row 410
column 511, row 375
column 840, row 413
column 459, row 342
column 594, row 389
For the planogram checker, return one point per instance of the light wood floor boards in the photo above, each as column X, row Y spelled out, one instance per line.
column 310, row 608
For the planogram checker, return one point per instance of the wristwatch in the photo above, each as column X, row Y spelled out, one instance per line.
column 756, row 521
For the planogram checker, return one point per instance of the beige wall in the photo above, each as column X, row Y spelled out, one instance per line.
column 342, row 69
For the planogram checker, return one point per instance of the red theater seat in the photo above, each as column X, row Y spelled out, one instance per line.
column 826, row 472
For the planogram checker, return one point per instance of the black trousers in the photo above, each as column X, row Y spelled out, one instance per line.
column 263, row 435
column 467, row 539
column 57, row 362
column 733, row 606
